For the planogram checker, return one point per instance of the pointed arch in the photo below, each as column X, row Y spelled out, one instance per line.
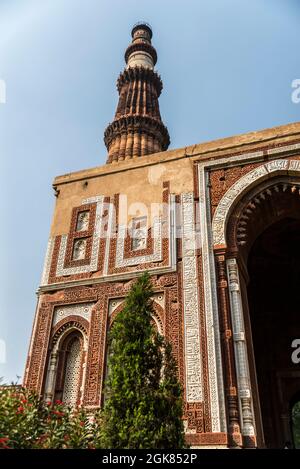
column 67, row 356
column 158, row 316
column 281, row 167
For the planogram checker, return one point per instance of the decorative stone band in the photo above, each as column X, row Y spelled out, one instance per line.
column 141, row 46
column 194, row 387
column 159, row 232
column 241, row 355
column 157, row 247
column 245, row 183
column 140, row 73
column 47, row 261
column 62, row 312
column 92, row 267
column 215, row 364
column 135, row 135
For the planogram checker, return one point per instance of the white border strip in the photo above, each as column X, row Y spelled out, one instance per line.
column 215, row 368
column 193, row 363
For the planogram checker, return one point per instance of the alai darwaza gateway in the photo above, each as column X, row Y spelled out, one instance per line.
column 217, row 226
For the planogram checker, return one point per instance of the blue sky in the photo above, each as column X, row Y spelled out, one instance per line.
column 227, row 68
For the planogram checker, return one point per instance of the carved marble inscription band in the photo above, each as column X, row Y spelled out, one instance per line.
column 194, row 390
column 259, row 174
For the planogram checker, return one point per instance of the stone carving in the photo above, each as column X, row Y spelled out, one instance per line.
column 254, row 209
column 72, row 322
column 48, row 336
column 285, row 148
column 194, row 414
column 62, row 312
column 47, row 262
column 220, row 217
column 72, row 374
column 215, row 365
column 159, row 298
column 190, row 303
column 79, row 249
column 36, row 360
column 92, row 266
column 277, row 165
column 139, row 233
column 113, row 305
column 234, row 193
column 117, row 305
column 157, row 247
column 83, row 221
column 294, row 165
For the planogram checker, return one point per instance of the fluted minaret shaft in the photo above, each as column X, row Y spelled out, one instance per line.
column 137, row 128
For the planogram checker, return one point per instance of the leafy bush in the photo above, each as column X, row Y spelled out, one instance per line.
column 26, row 421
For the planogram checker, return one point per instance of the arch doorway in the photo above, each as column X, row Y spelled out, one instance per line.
column 263, row 239
column 274, row 309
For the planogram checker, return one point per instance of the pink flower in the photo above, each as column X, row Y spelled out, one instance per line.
column 3, row 442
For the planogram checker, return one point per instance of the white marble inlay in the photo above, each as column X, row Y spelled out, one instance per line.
column 139, row 232
column 83, row 221
column 193, row 366
column 214, row 355
column 47, row 262
column 156, row 256
column 235, row 192
column 92, row 267
column 246, row 182
column 79, row 249
column 62, row 312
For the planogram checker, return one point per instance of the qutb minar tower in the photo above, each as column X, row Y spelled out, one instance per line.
column 217, row 227
column 137, row 129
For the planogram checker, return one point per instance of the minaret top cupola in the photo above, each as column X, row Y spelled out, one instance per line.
column 137, row 129
column 140, row 53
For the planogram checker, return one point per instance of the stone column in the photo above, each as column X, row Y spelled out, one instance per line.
column 241, row 356
column 49, row 391
column 235, row 437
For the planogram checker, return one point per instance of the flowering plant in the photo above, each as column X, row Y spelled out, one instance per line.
column 26, row 421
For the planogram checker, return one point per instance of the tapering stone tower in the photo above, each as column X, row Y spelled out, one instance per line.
column 137, row 128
